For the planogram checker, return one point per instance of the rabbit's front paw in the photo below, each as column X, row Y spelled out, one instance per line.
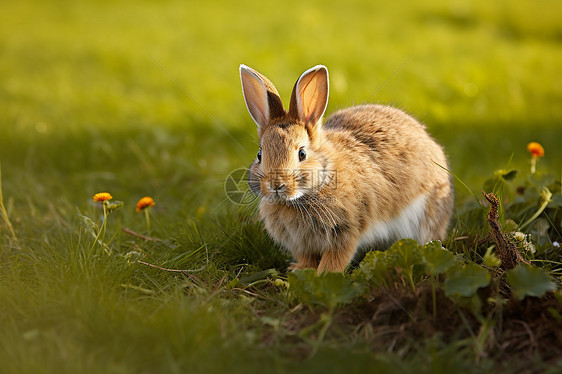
column 304, row 262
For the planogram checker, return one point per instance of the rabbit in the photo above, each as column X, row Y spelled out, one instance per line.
column 367, row 177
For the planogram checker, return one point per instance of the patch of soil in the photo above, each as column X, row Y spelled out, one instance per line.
column 522, row 330
column 533, row 326
column 401, row 317
column 398, row 320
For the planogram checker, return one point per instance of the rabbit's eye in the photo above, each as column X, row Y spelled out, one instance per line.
column 302, row 154
column 259, row 155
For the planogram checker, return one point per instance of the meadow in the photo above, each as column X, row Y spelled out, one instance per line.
column 143, row 98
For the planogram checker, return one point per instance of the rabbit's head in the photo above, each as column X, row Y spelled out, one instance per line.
column 291, row 162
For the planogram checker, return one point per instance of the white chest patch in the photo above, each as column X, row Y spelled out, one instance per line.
column 404, row 226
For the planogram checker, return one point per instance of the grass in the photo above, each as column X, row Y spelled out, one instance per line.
column 143, row 98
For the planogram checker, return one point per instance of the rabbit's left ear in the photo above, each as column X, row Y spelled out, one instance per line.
column 262, row 99
column 310, row 95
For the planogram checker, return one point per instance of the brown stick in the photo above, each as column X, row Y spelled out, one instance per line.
column 131, row 232
column 507, row 250
column 160, row 267
column 184, row 272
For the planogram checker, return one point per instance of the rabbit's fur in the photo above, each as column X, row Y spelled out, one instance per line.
column 369, row 176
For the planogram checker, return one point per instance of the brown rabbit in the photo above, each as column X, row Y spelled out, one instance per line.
column 369, row 176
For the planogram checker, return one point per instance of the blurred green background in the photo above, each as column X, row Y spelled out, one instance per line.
column 143, row 98
column 92, row 92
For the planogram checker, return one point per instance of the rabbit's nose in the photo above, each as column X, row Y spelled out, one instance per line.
column 277, row 183
column 277, row 187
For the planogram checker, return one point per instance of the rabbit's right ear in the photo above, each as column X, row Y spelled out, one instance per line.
column 262, row 100
column 310, row 95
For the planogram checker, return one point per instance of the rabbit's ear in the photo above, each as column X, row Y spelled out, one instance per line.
column 262, row 100
column 310, row 95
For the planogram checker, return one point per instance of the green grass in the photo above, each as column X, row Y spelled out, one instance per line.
column 143, row 98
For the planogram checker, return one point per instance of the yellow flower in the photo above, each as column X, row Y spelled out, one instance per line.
column 144, row 203
column 535, row 149
column 102, row 196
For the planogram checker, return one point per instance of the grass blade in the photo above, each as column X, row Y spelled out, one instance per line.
column 3, row 210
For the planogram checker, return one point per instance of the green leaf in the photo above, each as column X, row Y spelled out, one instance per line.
column 404, row 258
column 490, row 259
column 405, row 255
column 259, row 276
column 111, row 206
column 541, row 179
column 545, row 196
column 466, row 280
column 327, row 289
column 374, row 268
column 437, row 259
column 526, row 280
column 402, row 255
column 554, row 313
column 556, row 201
column 499, row 183
column 509, row 226
column 509, row 175
column 558, row 295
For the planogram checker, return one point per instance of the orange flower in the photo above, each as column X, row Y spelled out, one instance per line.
column 102, row 196
column 535, row 149
column 144, row 203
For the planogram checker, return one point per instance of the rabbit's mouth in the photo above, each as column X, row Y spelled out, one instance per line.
column 275, row 198
column 283, row 195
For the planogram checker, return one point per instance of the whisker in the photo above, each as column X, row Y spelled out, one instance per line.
column 311, row 219
column 309, row 216
column 301, row 212
column 319, row 216
column 327, row 210
column 324, row 226
column 297, row 206
column 313, row 200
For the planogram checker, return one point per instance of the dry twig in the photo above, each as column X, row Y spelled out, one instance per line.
column 131, row 232
column 507, row 251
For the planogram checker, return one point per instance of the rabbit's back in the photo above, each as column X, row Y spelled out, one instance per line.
column 395, row 141
column 380, row 127
column 386, row 151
